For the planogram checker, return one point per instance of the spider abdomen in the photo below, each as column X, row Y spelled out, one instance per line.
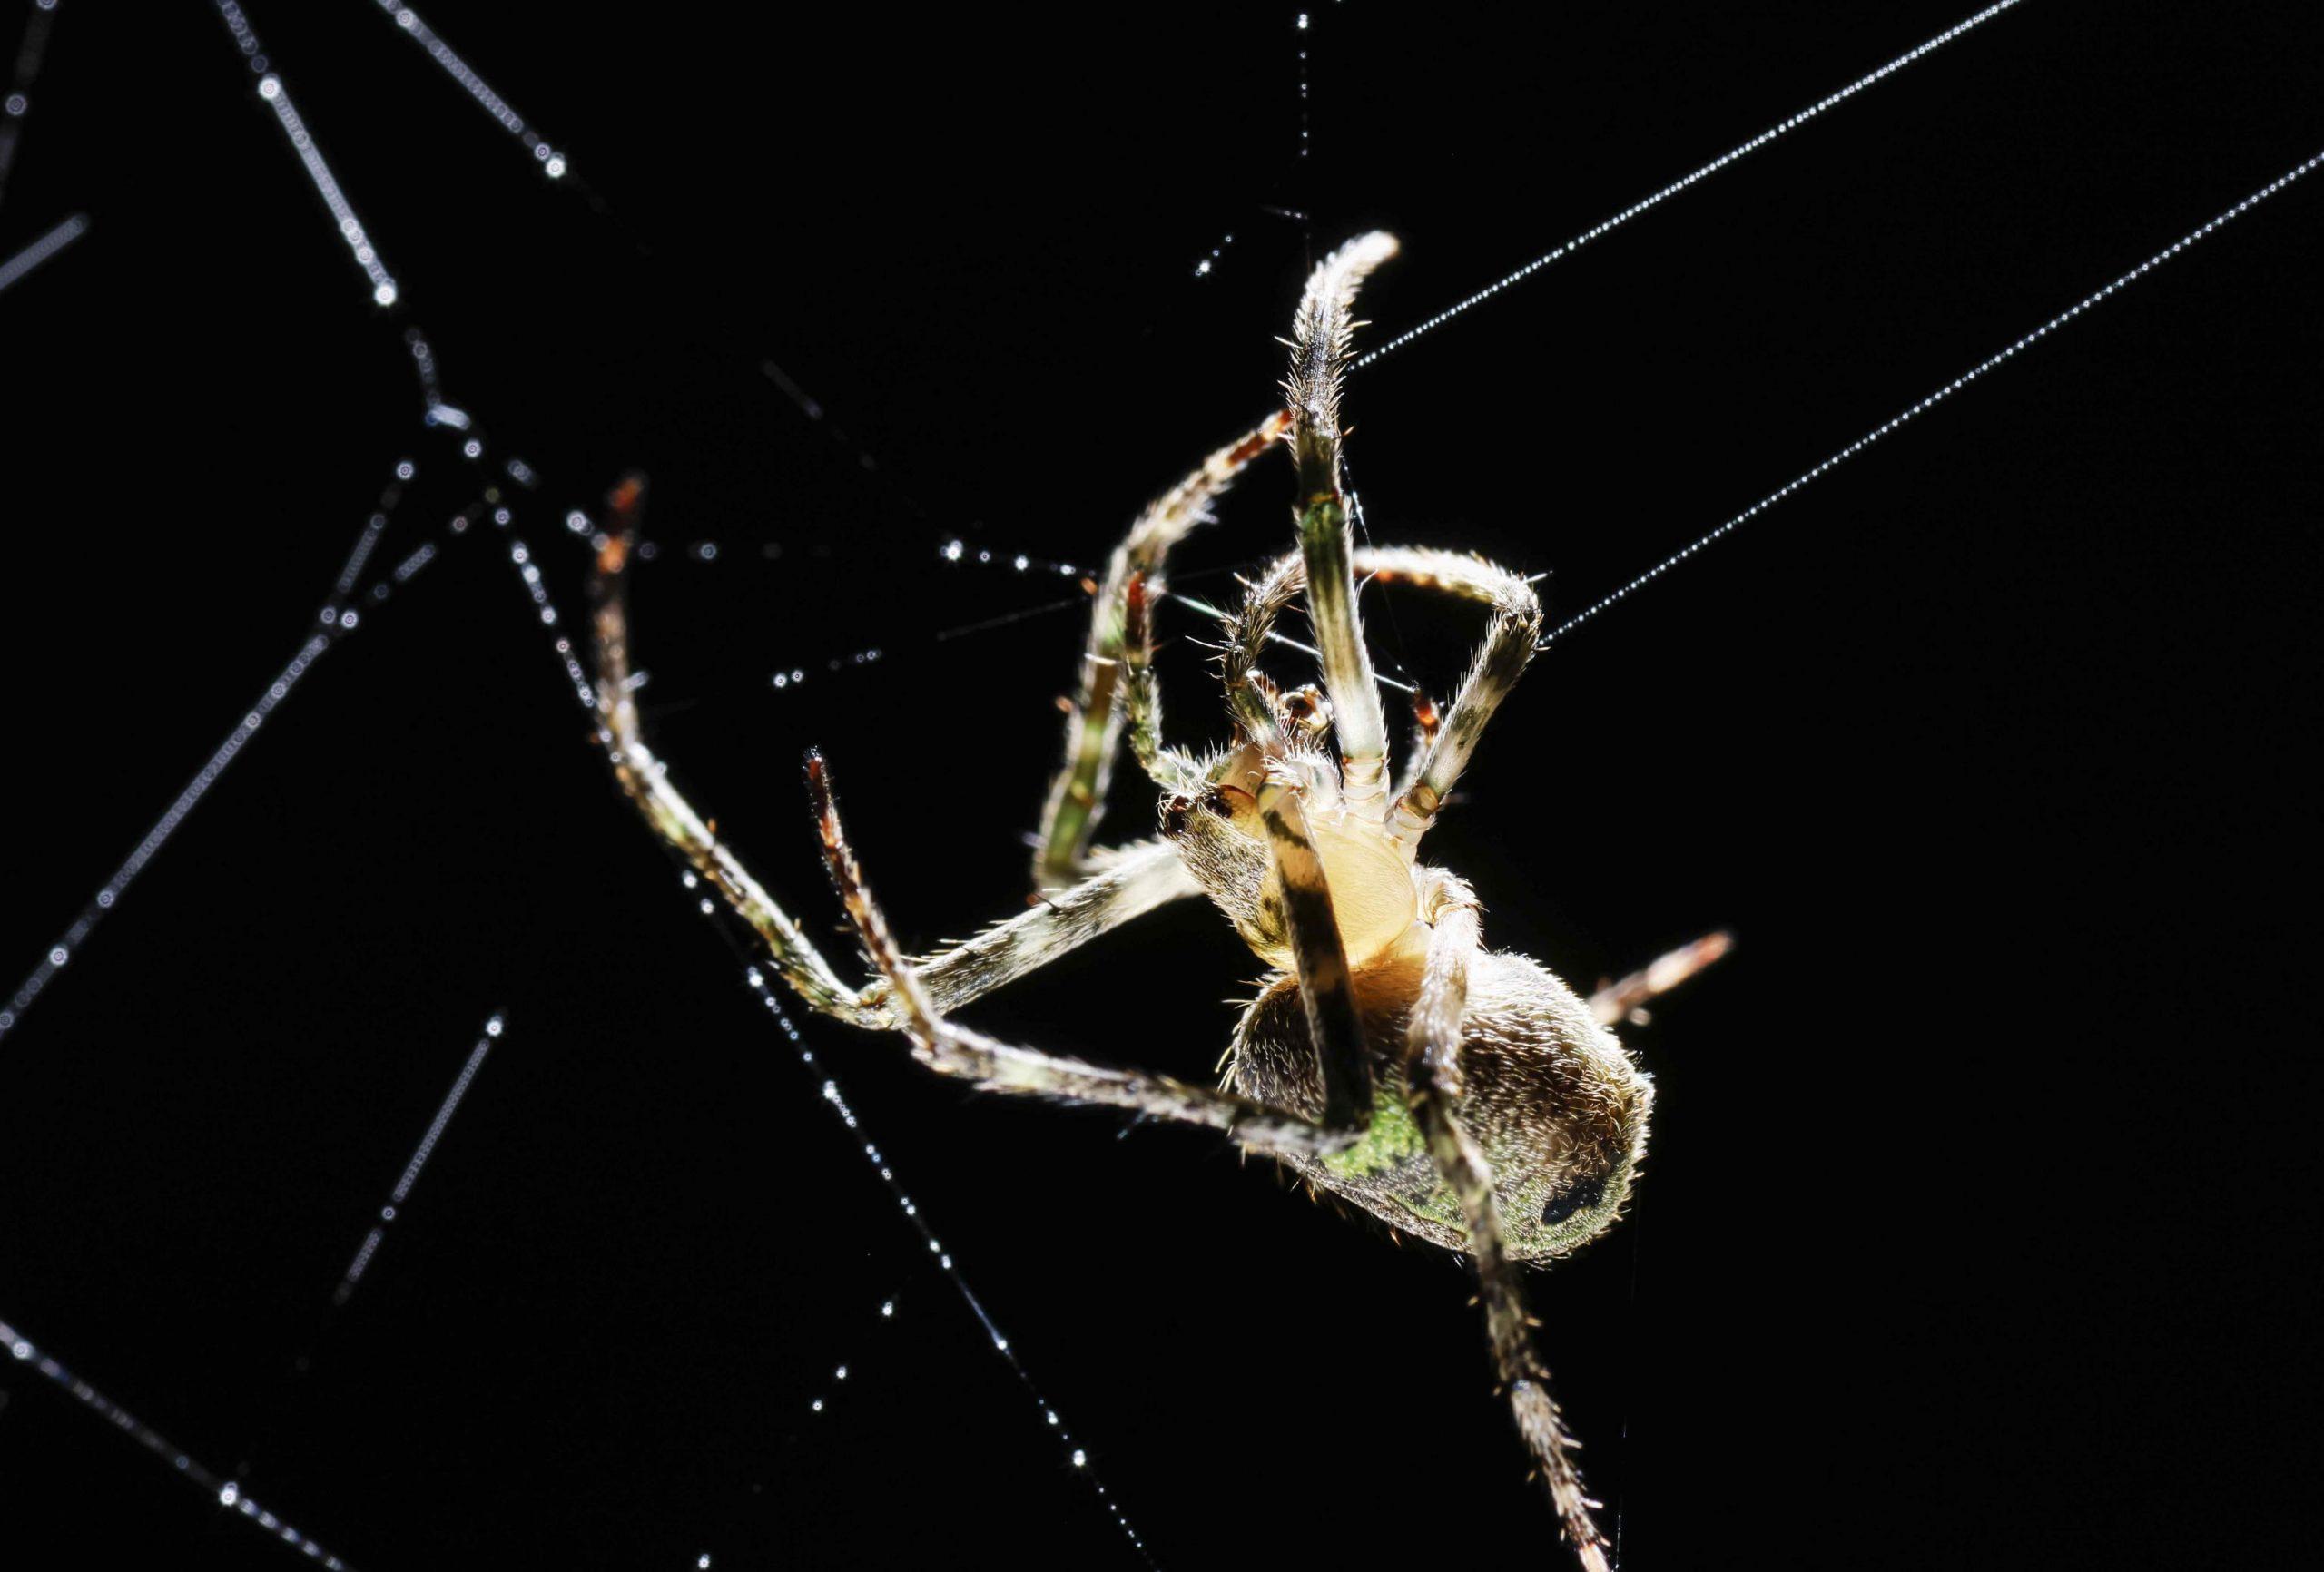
column 1552, row 1099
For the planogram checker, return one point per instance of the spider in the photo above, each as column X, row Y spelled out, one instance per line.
column 1467, row 1097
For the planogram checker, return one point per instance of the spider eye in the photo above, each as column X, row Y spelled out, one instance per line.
column 1578, row 1197
column 1304, row 710
column 1215, row 801
column 1174, row 816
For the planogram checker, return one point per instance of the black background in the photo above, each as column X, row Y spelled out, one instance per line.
column 1981, row 1182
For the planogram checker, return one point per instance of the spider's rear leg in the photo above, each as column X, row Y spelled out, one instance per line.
column 1625, row 999
column 1433, row 1074
column 996, row 1066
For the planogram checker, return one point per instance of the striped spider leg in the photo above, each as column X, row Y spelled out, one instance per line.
column 1508, row 648
column 1322, row 334
column 1094, row 722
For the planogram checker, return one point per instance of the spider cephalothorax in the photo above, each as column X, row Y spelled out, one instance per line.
column 1468, row 1097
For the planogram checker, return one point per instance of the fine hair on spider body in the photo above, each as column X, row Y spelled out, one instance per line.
column 1468, row 1097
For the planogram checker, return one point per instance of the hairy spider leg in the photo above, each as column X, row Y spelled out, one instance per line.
column 647, row 784
column 1322, row 334
column 1247, row 630
column 1132, row 881
column 1129, row 881
column 1320, row 960
column 1432, row 1049
column 1094, row 723
column 1500, row 659
column 1172, row 769
column 992, row 1065
column 1625, row 999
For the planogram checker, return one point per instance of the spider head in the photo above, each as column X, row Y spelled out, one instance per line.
column 1221, row 836
column 1305, row 714
column 1223, row 842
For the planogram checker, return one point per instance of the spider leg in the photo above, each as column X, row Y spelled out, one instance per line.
column 1322, row 335
column 1620, row 1001
column 647, row 783
column 1094, row 726
column 996, row 1066
column 1319, row 959
column 1432, row 1049
column 1247, row 631
column 1132, row 881
column 1501, row 660
column 1141, row 692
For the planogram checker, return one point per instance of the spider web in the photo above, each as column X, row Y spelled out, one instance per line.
column 636, row 1409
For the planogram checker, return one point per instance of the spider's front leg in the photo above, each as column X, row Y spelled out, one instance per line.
column 1433, row 1075
column 1323, row 333
column 1094, row 717
column 1132, row 881
column 1501, row 660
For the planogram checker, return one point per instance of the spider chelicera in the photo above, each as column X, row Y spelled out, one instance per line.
column 1467, row 1097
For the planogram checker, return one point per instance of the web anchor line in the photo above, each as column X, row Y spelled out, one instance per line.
column 552, row 162
column 18, row 101
column 350, row 228
column 41, row 250
column 388, row 1213
column 337, row 622
column 227, row 1493
column 1920, row 51
column 1923, row 406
